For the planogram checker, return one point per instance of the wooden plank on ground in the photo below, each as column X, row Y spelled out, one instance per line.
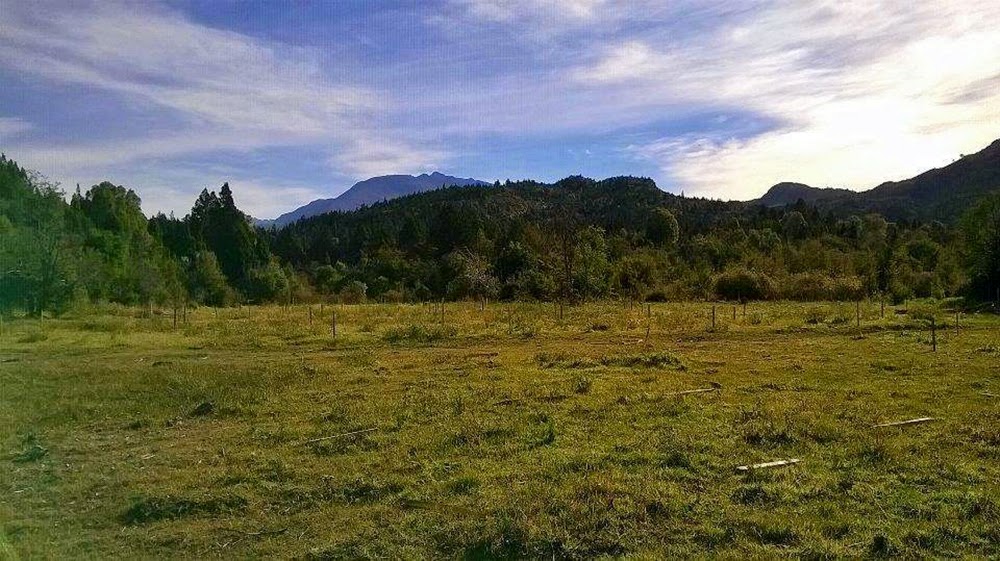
column 906, row 422
column 776, row 463
column 688, row 392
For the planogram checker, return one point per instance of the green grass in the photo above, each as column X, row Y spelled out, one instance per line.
column 502, row 433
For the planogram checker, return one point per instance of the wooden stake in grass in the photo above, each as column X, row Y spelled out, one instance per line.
column 649, row 318
column 933, row 334
column 776, row 463
column 333, row 326
column 310, row 316
column 734, row 313
column 907, row 422
column 956, row 322
column 857, row 312
column 882, row 303
column 175, row 316
column 713, row 317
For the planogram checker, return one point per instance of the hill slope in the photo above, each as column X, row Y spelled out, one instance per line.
column 939, row 194
column 372, row 191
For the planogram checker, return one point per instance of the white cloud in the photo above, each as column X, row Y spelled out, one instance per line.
column 522, row 10
column 221, row 90
column 854, row 92
column 370, row 157
column 862, row 93
column 211, row 76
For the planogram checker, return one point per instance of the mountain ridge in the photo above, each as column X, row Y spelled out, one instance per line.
column 942, row 193
column 369, row 191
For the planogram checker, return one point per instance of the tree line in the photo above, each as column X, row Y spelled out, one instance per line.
column 574, row 240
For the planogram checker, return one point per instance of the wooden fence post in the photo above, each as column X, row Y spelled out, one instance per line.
column 933, row 334
column 956, row 322
column 333, row 325
column 857, row 312
column 310, row 316
column 175, row 316
column 713, row 317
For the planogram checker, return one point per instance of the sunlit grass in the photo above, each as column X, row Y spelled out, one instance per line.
column 509, row 431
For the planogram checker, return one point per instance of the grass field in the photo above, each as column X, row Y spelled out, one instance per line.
column 500, row 433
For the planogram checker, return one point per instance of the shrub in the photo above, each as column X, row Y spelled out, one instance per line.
column 354, row 293
column 742, row 283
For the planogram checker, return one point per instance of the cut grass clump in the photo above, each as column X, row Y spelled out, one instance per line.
column 563, row 360
column 418, row 334
column 365, row 489
column 650, row 360
column 152, row 509
column 463, row 485
column 32, row 337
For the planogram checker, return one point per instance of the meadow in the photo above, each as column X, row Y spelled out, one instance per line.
column 505, row 431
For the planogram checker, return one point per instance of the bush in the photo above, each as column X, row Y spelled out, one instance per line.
column 743, row 284
column 267, row 283
column 814, row 287
column 354, row 293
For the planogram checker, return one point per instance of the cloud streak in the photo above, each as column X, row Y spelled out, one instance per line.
column 723, row 99
column 223, row 90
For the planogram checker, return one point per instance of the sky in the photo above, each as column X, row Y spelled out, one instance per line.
column 296, row 100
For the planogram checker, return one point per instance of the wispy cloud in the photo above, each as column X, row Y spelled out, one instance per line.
column 863, row 93
column 223, row 90
column 12, row 126
column 839, row 93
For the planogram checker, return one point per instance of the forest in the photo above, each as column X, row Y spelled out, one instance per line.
column 575, row 240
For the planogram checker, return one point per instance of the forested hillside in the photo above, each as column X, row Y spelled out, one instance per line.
column 619, row 237
column 943, row 194
column 573, row 240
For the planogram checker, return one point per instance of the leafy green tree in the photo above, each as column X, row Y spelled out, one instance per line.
column 981, row 229
column 662, row 229
column 208, row 282
column 794, row 225
column 592, row 270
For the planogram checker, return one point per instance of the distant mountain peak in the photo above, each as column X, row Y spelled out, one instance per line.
column 371, row 191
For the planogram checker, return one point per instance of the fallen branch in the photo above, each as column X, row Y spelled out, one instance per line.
column 352, row 433
column 266, row 532
column 777, row 463
column 907, row 422
column 687, row 392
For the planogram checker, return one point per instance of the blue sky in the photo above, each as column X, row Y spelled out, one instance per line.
column 294, row 101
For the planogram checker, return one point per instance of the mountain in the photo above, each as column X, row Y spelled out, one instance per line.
column 371, row 191
column 939, row 194
column 784, row 194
